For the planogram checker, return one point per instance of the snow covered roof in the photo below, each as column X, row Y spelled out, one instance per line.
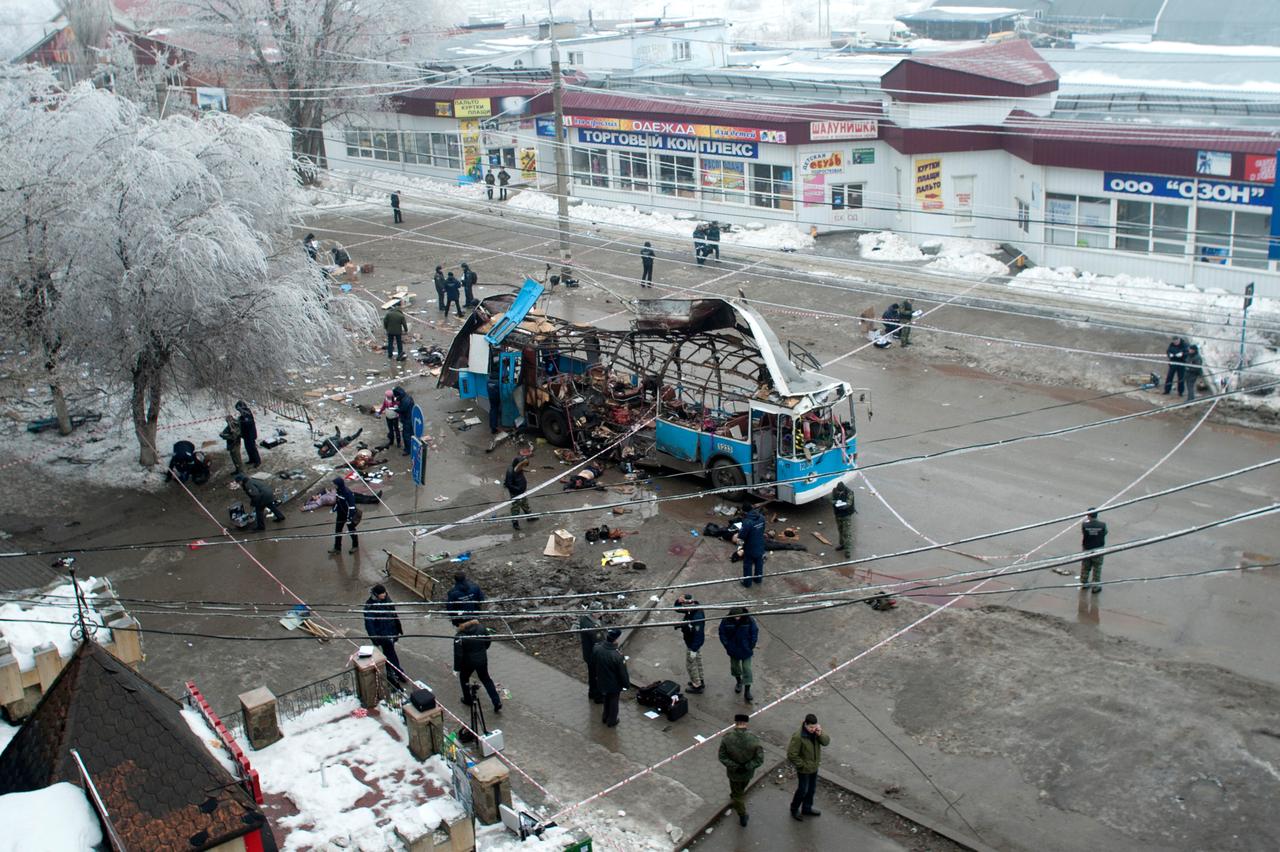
column 960, row 13
column 59, row 815
column 1220, row 22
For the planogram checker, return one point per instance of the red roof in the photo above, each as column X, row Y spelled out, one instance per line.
column 1236, row 141
column 1008, row 69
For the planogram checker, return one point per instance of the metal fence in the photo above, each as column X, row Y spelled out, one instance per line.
column 295, row 702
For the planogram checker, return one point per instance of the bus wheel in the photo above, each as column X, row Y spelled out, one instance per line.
column 724, row 473
column 555, row 427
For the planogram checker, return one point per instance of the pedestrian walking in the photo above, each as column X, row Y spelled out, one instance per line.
column 452, row 287
column 469, row 281
column 311, row 246
column 504, row 178
column 1093, row 536
column 404, row 408
column 1195, row 369
column 742, row 754
column 694, row 631
column 739, row 634
column 463, row 600
column 346, row 514
column 1176, row 355
column 843, row 506
column 471, row 657
column 751, row 537
column 438, row 278
column 391, row 414
column 395, row 208
column 396, row 324
column 713, row 239
column 516, row 484
column 262, row 497
column 906, row 312
column 611, row 675
column 248, row 433
column 804, row 752
column 231, row 434
column 646, row 265
column 382, row 625
column 591, row 634
column 489, row 181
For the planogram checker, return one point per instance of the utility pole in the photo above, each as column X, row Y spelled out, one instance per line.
column 562, row 172
column 1244, row 322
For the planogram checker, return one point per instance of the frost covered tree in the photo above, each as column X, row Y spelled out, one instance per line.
column 310, row 58
column 174, row 268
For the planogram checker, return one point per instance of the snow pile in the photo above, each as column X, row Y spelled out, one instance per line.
column 20, row 624
column 355, row 186
column 887, row 245
column 57, row 818
column 958, row 246
column 967, row 264
column 783, row 236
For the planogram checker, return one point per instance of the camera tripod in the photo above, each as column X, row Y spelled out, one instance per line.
column 471, row 696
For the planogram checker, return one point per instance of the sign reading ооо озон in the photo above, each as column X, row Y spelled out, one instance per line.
column 1220, row 191
column 688, row 144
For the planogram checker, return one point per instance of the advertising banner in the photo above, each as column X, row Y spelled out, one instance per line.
column 529, row 163
column 469, row 130
column 815, row 190
column 690, row 145
column 1273, row 250
column 1216, row 163
column 1221, row 191
column 929, row 183
column 862, row 156
column 472, row 108
column 822, row 163
column 444, row 109
column 820, row 131
column 1259, row 169
column 677, row 128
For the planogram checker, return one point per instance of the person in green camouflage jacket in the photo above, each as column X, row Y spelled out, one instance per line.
column 742, row 754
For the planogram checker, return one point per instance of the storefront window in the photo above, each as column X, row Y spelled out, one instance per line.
column 591, row 166
column 386, row 145
column 771, row 186
column 431, row 149
column 675, row 176
column 1169, row 229
column 847, row 196
column 633, row 171
column 724, row 180
column 1213, row 236
column 1251, row 236
column 1078, row 221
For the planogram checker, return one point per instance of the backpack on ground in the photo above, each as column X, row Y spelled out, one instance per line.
column 663, row 696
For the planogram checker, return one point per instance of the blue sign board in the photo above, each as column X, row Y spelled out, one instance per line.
column 687, row 144
column 1273, row 251
column 545, row 126
column 1220, row 191
column 418, row 449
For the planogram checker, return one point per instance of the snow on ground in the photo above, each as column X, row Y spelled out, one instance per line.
column 347, row 186
column 57, row 818
column 7, row 732
column 20, row 624
column 956, row 255
column 888, row 246
column 967, row 264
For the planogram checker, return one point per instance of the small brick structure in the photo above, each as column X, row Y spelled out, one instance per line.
column 490, row 787
column 369, row 674
column 261, row 726
column 426, row 730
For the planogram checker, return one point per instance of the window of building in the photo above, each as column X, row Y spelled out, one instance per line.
column 847, row 196
column 724, row 180
column 1144, row 226
column 1078, row 221
column 1251, row 236
column 386, row 145
column 1232, row 237
column 373, row 144
column 591, row 166
column 681, row 51
column 502, row 157
column 442, row 150
column 575, row 57
column 633, row 171
column 675, row 176
column 1024, row 216
column 771, row 186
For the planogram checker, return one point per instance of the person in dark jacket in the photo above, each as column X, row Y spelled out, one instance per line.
column 713, row 239
column 516, row 484
column 1093, row 535
column 741, row 754
column 890, row 320
column 312, row 247
column 1176, row 354
column 739, row 634
column 504, row 178
column 231, row 435
column 751, row 537
column 438, row 278
column 396, row 218
column 345, row 515
column 263, row 499
column 489, row 181
column 694, row 631
column 804, row 752
column 906, row 314
column 382, row 624
column 452, row 289
column 469, row 281
column 187, row 465
column 646, row 265
column 843, row 506
column 591, row 635
column 248, row 433
column 1195, row 368
column 395, row 324
column 611, row 674
column 464, row 599
column 700, row 244
column 340, row 256
column 404, row 407
column 471, row 656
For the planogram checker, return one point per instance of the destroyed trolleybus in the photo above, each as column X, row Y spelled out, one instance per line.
column 702, row 386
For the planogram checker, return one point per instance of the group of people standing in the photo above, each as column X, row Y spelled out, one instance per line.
column 1186, row 366
column 502, row 179
column 706, row 241
column 450, row 286
column 896, row 320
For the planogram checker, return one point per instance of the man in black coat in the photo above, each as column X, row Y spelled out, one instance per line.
column 713, row 239
column 469, row 281
column 249, row 433
column 404, row 408
column 262, row 497
column 1177, row 357
column 464, row 599
column 471, row 656
column 395, row 208
column 646, row 265
column 382, row 624
column 452, row 288
column 694, row 631
column 591, row 636
column 611, row 675
column 438, row 278
column 504, row 178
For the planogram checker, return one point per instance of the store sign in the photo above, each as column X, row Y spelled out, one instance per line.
column 862, row 156
column 824, row 163
column 815, row 190
column 1273, row 250
column 472, row 108
column 1216, row 163
column 1220, row 191
column 820, row 131
column 711, row 147
column 929, row 183
column 444, row 109
column 529, row 163
column 1259, row 169
column 469, row 130
column 676, row 128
